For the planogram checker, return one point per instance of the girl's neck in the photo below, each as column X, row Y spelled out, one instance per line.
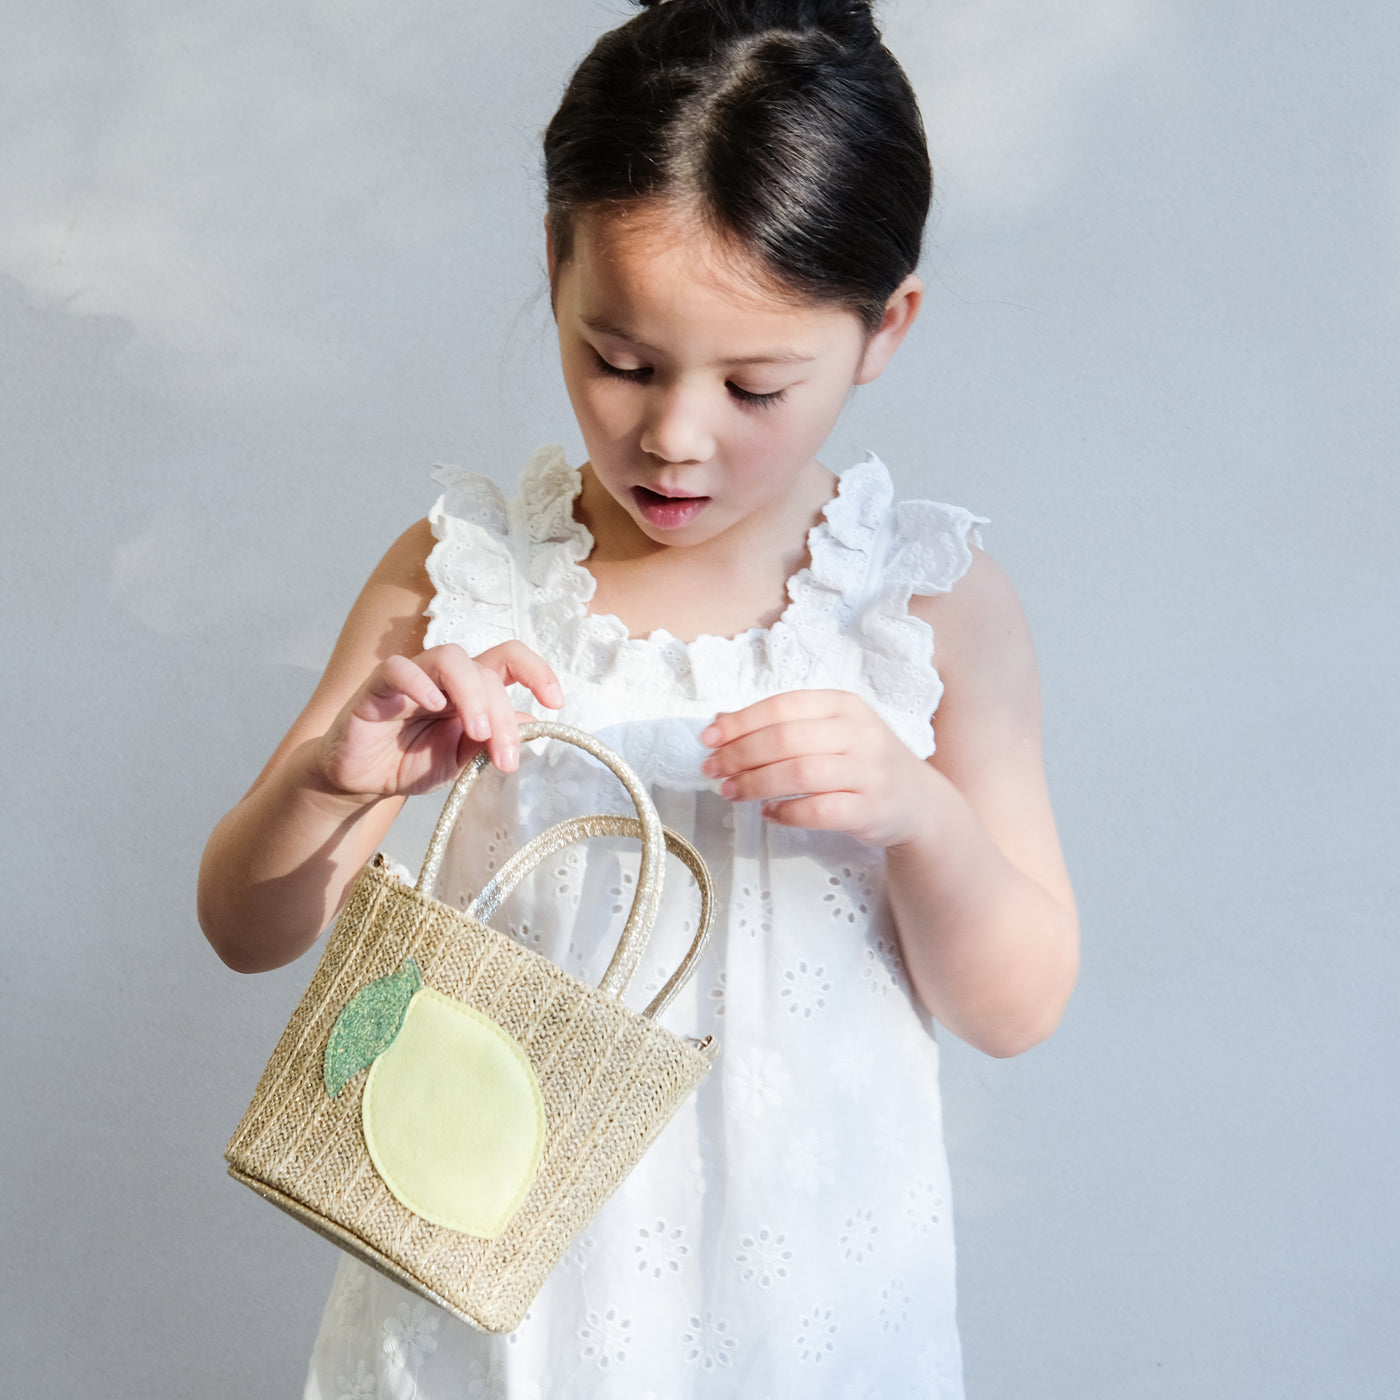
column 721, row 587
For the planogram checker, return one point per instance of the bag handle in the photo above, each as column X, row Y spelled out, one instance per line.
column 565, row 833
column 638, row 927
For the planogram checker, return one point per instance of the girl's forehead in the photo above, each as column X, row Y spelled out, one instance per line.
column 643, row 263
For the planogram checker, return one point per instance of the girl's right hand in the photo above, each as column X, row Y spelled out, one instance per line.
column 415, row 723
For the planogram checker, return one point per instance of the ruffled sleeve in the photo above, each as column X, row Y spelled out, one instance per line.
column 933, row 545
column 471, row 566
column 914, row 547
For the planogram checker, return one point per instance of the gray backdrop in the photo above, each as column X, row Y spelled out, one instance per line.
column 262, row 263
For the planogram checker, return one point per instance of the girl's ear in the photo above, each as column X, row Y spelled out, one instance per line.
column 900, row 312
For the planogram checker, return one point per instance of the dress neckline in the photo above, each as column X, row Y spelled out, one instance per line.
column 513, row 567
column 560, row 544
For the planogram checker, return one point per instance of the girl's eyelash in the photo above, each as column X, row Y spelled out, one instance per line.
column 744, row 396
column 617, row 372
column 747, row 396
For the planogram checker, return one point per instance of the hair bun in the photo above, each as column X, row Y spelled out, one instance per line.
column 851, row 20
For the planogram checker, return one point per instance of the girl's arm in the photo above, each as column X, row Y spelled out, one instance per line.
column 976, row 881
column 386, row 721
column 979, row 888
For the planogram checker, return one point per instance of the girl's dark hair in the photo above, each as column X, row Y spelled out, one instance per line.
column 785, row 124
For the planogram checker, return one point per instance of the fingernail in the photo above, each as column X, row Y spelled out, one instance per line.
column 710, row 767
column 479, row 727
column 708, row 736
column 510, row 758
column 727, row 787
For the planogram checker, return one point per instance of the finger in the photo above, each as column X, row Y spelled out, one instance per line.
column 515, row 663
column 824, row 811
column 504, row 744
column 775, row 742
column 775, row 709
column 808, row 774
column 398, row 678
column 468, row 687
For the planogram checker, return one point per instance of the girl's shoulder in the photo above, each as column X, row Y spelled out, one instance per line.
column 981, row 640
column 981, row 613
column 388, row 616
column 989, row 718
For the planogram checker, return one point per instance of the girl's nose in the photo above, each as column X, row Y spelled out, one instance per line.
column 676, row 428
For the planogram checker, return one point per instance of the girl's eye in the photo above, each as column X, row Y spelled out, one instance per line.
column 639, row 375
column 747, row 396
column 617, row 372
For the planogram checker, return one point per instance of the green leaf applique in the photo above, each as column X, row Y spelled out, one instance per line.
column 366, row 1028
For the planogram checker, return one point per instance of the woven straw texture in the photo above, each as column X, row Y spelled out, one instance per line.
column 610, row 1080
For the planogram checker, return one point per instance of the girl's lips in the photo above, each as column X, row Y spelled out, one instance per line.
column 667, row 512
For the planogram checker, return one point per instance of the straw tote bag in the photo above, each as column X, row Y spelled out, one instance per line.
column 453, row 1108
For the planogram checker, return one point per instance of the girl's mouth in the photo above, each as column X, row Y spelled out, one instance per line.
column 667, row 512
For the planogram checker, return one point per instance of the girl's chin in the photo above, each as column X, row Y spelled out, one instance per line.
column 668, row 512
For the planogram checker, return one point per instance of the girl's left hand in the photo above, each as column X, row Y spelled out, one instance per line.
column 849, row 769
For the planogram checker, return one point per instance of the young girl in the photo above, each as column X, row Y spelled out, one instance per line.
column 736, row 198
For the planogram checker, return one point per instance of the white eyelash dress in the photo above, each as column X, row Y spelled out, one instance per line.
column 789, row 1233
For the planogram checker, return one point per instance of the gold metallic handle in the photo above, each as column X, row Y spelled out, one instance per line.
column 633, row 942
column 579, row 829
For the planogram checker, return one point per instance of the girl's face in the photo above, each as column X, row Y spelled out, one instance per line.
column 703, row 393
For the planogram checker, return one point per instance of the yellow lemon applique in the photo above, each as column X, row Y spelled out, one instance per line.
column 453, row 1117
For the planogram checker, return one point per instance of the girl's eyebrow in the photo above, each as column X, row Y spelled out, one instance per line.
column 764, row 357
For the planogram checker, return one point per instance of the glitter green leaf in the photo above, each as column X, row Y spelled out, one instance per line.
column 366, row 1028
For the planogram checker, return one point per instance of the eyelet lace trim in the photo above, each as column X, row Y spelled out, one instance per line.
column 846, row 624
